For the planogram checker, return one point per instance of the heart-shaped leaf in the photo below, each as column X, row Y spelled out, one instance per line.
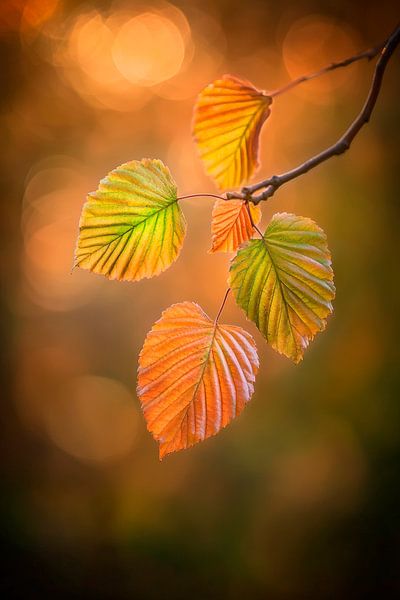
column 232, row 225
column 228, row 117
column 132, row 227
column 194, row 376
column 284, row 282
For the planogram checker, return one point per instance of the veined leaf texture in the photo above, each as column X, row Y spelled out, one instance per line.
column 232, row 225
column 284, row 283
column 194, row 376
column 132, row 226
column 228, row 117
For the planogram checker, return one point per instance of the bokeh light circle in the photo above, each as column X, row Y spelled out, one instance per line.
column 313, row 42
column 148, row 49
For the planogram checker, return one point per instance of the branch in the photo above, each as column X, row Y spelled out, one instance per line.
column 366, row 54
column 276, row 181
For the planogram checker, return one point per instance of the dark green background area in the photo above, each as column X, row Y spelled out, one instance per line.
column 300, row 497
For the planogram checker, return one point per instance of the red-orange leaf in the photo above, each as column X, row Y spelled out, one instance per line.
column 231, row 224
column 228, row 117
column 194, row 376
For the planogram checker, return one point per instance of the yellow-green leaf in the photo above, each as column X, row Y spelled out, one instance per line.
column 284, row 282
column 132, row 227
column 228, row 117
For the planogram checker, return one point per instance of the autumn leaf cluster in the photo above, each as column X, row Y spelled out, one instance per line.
column 195, row 374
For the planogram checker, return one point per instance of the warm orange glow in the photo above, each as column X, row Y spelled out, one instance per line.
column 37, row 12
column 311, row 43
column 90, row 44
column 112, row 60
column 148, row 49
column 25, row 14
column 52, row 198
column 284, row 496
column 93, row 419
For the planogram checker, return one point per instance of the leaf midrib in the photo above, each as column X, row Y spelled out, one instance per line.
column 268, row 250
column 129, row 230
column 231, row 227
column 203, row 368
column 253, row 118
column 241, row 137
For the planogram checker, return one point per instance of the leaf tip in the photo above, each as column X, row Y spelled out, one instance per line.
column 163, row 451
column 297, row 359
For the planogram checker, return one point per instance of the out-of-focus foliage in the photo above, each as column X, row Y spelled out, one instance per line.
column 228, row 117
column 284, row 282
column 194, row 376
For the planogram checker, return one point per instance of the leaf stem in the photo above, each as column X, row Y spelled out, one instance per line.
column 201, row 195
column 260, row 233
column 221, row 308
column 251, row 220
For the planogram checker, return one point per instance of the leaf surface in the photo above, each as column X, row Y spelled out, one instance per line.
column 194, row 376
column 284, row 282
column 228, row 117
column 132, row 226
column 231, row 224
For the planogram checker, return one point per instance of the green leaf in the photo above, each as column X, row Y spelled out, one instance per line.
column 132, row 227
column 284, row 282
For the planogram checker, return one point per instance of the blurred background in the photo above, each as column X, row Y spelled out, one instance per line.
column 300, row 496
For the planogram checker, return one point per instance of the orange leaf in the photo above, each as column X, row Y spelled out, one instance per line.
column 231, row 224
column 194, row 376
column 228, row 117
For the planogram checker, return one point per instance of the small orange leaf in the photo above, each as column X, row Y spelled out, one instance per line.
column 194, row 376
column 231, row 224
column 228, row 117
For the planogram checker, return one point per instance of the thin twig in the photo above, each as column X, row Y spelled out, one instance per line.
column 254, row 226
column 367, row 54
column 200, row 195
column 273, row 183
column 221, row 308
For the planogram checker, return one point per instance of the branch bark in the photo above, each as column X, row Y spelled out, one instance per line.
column 276, row 181
column 366, row 54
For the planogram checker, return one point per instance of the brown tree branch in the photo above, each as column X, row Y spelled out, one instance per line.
column 366, row 54
column 276, row 181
